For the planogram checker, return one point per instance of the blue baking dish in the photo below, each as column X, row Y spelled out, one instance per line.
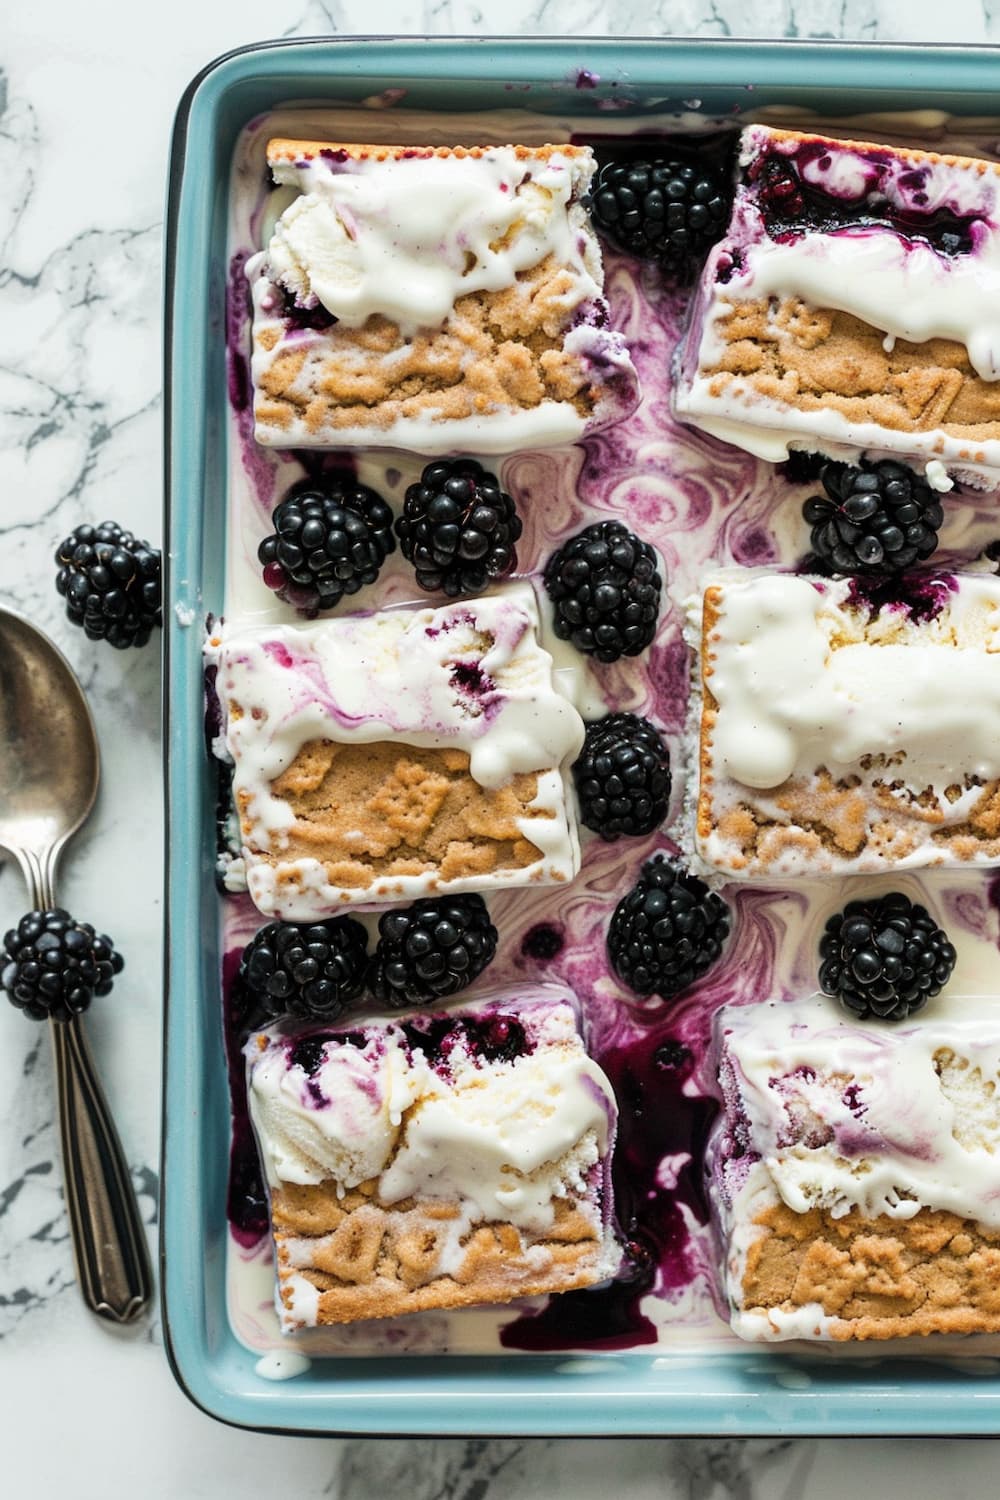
column 726, row 1391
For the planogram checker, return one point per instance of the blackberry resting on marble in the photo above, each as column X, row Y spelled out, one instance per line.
column 874, row 518
column 431, row 949
column 310, row 971
column 661, row 209
column 111, row 583
column 884, row 958
column 329, row 538
column 605, row 587
column 458, row 528
column 53, row 966
column 667, row 931
column 622, row 777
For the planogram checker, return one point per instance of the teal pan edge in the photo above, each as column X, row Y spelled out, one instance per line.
column 725, row 1393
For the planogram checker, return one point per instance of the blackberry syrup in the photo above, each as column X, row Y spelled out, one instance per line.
column 657, row 1121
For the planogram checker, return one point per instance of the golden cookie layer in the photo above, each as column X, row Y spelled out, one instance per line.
column 498, row 351
column 815, row 359
column 372, row 811
column 875, row 1278
column 369, row 1260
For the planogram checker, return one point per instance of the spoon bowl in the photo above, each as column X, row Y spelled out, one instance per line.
column 50, row 766
column 49, row 758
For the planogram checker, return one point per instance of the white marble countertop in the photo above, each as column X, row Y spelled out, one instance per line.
column 86, row 103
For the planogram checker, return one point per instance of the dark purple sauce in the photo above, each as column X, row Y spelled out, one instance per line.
column 922, row 596
column 728, row 264
column 246, row 1202
column 543, row 942
column 792, row 206
column 494, row 1038
column 213, row 708
column 801, row 467
column 669, row 674
column 237, row 317
column 656, row 1120
column 993, row 892
column 755, row 548
column 321, row 465
column 469, row 678
column 853, row 1100
column 307, row 1053
column 314, row 319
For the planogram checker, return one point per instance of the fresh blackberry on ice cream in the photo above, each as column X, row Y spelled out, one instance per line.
column 605, row 587
column 661, row 209
column 329, row 539
column 622, row 777
column 431, row 949
column 111, row 583
column 884, row 958
column 667, row 931
column 309, row 971
column 458, row 528
column 874, row 518
column 53, row 966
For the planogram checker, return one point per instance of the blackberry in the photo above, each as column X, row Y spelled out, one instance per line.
column 874, row 518
column 55, row 965
column 779, row 188
column 884, row 958
column 661, row 209
column 667, row 931
column 431, row 949
column 458, row 528
column 605, row 587
column 622, row 777
column 311, row 971
column 329, row 538
column 112, row 584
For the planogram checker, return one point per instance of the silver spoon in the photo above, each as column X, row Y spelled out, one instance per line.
column 49, row 770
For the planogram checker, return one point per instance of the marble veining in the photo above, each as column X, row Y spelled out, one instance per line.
column 86, row 100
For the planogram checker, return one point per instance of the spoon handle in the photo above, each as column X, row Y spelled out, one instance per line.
column 109, row 1243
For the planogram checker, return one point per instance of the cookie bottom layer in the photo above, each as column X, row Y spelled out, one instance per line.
column 344, row 1258
column 371, row 810
column 813, row 360
column 864, row 1278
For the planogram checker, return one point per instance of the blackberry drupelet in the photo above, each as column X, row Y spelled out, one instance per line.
column 884, row 958
column 622, row 777
column 431, row 949
column 112, row 584
column 54, row 965
column 667, row 931
column 310, row 971
column 458, row 528
column 661, row 209
column 330, row 537
column 605, row 586
column 875, row 518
